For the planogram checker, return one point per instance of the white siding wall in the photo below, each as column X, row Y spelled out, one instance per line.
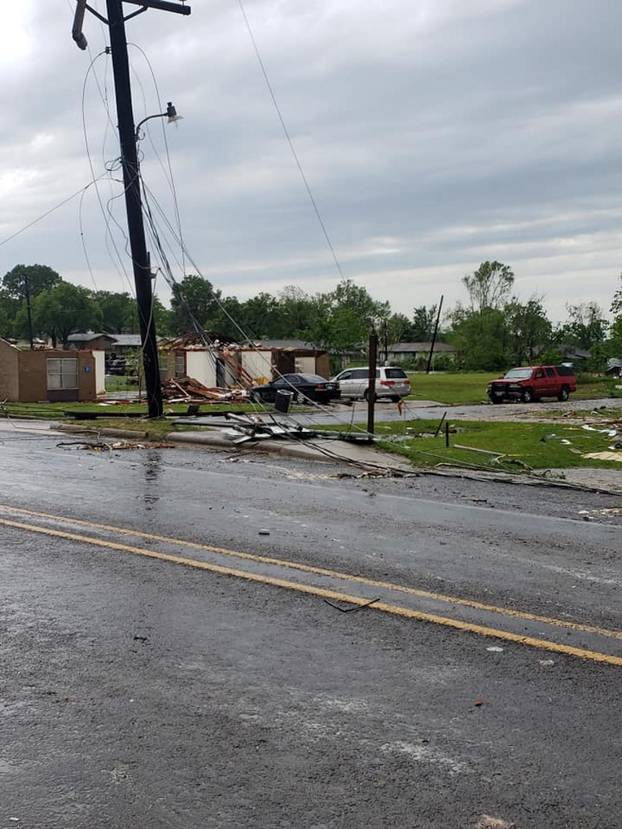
column 100, row 371
column 202, row 366
column 258, row 364
column 305, row 365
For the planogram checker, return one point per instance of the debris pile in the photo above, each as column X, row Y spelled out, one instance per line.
column 190, row 390
column 243, row 428
column 613, row 430
column 106, row 446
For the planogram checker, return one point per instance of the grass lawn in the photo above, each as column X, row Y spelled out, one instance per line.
column 455, row 388
column 452, row 388
column 538, row 445
column 136, row 428
column 55, row 411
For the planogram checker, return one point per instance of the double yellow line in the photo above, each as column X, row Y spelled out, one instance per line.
column 322, row 592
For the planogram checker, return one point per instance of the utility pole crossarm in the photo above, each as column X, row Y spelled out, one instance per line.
column 163, row 5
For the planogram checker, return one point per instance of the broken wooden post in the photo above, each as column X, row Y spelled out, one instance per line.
column 371, row 384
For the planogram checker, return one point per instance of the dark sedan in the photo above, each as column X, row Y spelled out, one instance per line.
column 302, row 386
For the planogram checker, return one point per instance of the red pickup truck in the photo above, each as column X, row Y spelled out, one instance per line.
column 533, row 383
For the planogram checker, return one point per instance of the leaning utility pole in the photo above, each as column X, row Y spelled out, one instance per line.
column 434, row 335
column 131, row 177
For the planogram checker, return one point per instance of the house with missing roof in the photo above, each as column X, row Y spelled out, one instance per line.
column 50, row 375
column 219, row 364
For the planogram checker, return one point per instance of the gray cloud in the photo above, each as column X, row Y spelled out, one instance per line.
column 433, row 136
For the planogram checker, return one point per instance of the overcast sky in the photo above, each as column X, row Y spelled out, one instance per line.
column 434, row 134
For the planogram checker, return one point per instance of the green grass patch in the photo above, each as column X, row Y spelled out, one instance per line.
column 121, row 382
column 536, row 445
column 451, row 388
column 595, row 386
column 469, row 388
column 135, row 427
column 55, row 411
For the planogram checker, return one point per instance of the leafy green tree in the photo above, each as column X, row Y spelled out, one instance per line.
column 8, row 311
column 194, row 299
column 489, row 286
column 260, row 316
column 400, row 329
column 62, row 310
column 320, row 327
column 616, row 302
column 163, row 318
column 228, row 318
column 424, row 320
column 481, row 338
column 585, row 327
column 615, row 337
column 29, row 280
column 118, row 312
column 356, row 298
column 529, row 328
column 161, row 314
column 342, row 317
column 295, row 308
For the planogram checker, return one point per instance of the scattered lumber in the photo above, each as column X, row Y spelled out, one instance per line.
column 190, row 390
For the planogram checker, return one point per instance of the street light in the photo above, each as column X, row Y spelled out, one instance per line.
column 170, row 114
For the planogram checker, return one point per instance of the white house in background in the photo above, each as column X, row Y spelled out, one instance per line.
column 411, row 351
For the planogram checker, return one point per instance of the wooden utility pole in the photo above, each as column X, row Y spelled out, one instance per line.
column 131, row 177
column 438, row 320
column 385, row 338
column 371, row 384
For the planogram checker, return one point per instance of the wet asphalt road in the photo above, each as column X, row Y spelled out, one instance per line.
column 135, row 692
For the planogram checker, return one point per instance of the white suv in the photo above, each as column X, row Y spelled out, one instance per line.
column 391, row 382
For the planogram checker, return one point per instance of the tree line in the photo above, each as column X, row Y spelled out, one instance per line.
column 492, row 330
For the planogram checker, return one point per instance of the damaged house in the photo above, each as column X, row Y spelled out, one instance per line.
column 50, row 375
column 225, row 364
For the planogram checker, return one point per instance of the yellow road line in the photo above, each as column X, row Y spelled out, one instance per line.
column 308, row 589
column 324, row 571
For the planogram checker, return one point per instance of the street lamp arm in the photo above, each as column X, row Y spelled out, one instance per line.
column 171, row 114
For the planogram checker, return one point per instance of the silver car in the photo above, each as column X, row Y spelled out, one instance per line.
column 391, row 382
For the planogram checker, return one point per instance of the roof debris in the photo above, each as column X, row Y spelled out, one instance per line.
column 190, row 390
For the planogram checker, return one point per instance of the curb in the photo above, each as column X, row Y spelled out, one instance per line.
column 379, row 459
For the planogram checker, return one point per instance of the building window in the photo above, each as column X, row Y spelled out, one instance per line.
column 180, row 364
column 62, row 373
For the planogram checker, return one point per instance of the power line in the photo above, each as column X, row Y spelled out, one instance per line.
column 288, row 137
column 170, row 177
column 148, row 194
column 49, row 212
column 118, row 264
